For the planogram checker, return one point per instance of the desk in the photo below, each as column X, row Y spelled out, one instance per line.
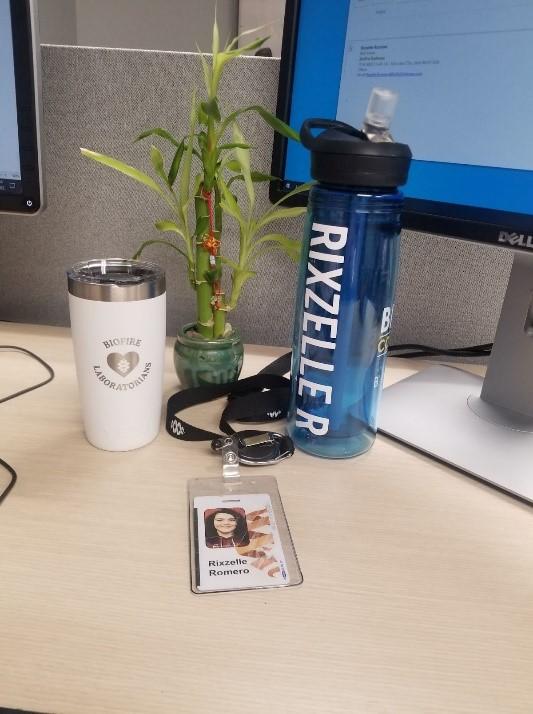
column 418, row 592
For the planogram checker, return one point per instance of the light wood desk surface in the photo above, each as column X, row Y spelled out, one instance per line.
column 418, row 592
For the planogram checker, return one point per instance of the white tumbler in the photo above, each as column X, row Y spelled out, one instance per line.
column 118, row 320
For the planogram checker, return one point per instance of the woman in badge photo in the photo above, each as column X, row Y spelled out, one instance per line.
column 226, row 528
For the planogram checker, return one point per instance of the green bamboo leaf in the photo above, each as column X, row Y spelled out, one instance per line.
column 236, row 39
column 229, row 262
column 163, row 133
column 236, row 177
column 168, row 227
column 210, row 108
column 156, row 157
column 161, row 242
column 229, row 208
column 126, row 169
column 171, row 227
column 216, row 38
column 197, row 183
column 254, row 45
column 282, row 213
column 257, row 177
column 202, row 140
column 289, row 245
column 243, row 157
column 229, row 204
column 279, row 214
column 233, row 146
column 238, row 280
column 175, row 166
column 302, row 188
column 202, row 116
column 233, row 165
column 208, row 72
column 277, row 124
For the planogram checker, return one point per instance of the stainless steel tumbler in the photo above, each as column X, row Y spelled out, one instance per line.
column 118, row 320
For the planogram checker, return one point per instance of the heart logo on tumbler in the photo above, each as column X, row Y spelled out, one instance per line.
column 123, row 364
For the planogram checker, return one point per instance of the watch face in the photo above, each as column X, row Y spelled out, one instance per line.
column 20, row 159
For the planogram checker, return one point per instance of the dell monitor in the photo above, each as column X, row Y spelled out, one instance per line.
column 21, row 180
column 462, row 71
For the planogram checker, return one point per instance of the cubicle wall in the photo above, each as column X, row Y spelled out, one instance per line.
column 449, row 292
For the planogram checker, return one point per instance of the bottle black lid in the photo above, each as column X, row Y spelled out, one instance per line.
column 343, row 155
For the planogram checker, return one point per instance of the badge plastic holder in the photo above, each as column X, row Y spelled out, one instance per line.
column 239, row 536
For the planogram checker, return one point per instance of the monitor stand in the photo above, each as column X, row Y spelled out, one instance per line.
column 481, row 426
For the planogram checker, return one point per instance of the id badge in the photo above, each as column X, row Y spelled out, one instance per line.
column 239, row 536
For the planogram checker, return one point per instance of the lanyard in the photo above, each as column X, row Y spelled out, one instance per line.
column 261, row 398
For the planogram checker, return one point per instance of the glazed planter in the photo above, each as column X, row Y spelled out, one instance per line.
column 201, row 362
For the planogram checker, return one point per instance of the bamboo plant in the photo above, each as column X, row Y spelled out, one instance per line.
column 204, row 166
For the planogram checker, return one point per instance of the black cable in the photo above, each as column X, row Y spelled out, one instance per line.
column 415, row 350
column 11, row 484
column 51, row 375
column 35, row 386
column 282, row 364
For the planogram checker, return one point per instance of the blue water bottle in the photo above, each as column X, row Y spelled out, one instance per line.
column 345, row 298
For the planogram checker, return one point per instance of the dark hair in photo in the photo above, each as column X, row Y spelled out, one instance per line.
column 240, row 533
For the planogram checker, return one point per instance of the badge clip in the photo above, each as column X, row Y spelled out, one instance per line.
column 259, row 449
column 230, row 459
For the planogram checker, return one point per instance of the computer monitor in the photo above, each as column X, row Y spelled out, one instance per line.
column 462, row 70
column 21, row 179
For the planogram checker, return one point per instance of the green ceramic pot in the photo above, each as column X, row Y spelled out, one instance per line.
column 199, row 362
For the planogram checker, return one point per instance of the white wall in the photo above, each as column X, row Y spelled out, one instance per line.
column 256, row 13
column 57, row 21
column 153, row 24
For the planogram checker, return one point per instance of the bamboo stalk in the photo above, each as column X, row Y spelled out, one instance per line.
column 219, row 312
column 219, row 316
column 204, row 309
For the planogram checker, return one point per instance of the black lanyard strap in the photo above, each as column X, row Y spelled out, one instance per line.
column 248, row 401
column 257, row 406
column 261, row 398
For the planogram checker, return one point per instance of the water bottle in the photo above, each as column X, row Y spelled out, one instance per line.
column 345, row 299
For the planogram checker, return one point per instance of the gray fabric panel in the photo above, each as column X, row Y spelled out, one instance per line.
column 449, row 291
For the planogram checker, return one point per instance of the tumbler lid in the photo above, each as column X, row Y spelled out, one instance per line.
column 343, row 155
column 116, row 280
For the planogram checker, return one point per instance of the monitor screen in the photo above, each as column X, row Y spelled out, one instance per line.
column 461, row 69
column 20, row 147
column 10, row 176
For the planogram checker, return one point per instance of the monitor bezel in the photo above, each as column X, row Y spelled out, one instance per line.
column 26, row 51
column 484, row 225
